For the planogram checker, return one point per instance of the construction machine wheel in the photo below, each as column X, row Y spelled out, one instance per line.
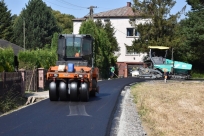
column 53, row 92
column 63, row 94
column 94, row 83
column 94, row 86
column 84, row 92
column 73, row 91
column 93, row 93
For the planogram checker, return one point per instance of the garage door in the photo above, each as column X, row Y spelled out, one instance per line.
column 131, row 67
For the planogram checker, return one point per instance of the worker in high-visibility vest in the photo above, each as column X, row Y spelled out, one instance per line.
column 112, row 70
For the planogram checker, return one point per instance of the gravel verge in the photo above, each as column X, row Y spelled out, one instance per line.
column 126, row 120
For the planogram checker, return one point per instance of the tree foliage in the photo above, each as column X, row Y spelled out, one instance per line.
column 54, row 42
column 6, row 30
column 160, row 26
column 192, row 31
column 195, row 4
column 41, row 58
column 64, row 21
column 112, row 39
column 6, row 60
column 103, row 51
column 40, row 25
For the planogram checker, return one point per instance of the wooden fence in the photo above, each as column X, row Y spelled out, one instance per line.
column 23, row 80
column 11, row 82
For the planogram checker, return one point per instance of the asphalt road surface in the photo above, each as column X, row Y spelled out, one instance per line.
column 59, row 118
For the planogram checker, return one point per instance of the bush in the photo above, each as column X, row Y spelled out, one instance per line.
column 196, row 74
column 10, row 101
column 6, row 60
column 27, row 59
column 37, row 58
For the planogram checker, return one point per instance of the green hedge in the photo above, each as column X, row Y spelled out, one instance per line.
column 6, row 59
column 43, row 58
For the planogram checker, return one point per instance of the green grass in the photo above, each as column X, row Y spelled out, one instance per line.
column 11, row 101
column 197, row 75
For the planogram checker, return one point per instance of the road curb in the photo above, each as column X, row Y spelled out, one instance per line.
column 115, row 131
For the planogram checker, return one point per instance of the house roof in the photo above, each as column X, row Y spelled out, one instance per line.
column 5, row 44
column 123, row 12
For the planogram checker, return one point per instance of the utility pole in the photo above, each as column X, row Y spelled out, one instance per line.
column 91, row 11
column 91, row 18
column 24, row 33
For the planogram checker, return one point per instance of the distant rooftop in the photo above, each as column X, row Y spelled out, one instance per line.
column 119, row 12
column 123, row 12
column 6, row 44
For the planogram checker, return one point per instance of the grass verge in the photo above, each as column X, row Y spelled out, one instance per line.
column 11, row 101
column 174, row 108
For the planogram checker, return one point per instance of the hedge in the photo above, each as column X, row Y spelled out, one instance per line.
column 6, row 59
column 37, row 58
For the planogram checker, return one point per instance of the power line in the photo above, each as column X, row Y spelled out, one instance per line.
column 62, row 6
column 105, row 8
column 63, row 1
column 120, row 31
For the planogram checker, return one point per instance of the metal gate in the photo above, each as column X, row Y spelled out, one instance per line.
column 31, row 77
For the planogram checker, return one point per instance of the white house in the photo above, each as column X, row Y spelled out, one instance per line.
column 120, row 19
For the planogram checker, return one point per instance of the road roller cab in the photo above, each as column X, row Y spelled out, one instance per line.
column 74, row 76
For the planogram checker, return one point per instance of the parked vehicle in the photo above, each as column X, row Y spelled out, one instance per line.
column 135, row 73
column 158, row 65
column 74, row 77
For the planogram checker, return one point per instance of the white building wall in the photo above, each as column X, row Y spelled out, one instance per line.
column 76, row 26
column 120, row 26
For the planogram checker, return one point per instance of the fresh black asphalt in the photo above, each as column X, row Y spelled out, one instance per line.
column 59, row 118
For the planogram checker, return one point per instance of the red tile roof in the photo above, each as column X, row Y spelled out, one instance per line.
column 123, row 12
column 119, row 12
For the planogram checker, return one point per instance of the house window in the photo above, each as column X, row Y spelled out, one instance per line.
column 137, row 33
column 106, row 20
column 132, row 32
column 132, row 19
column 130, row 51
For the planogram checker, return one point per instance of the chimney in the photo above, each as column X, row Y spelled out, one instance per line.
column 128, row 4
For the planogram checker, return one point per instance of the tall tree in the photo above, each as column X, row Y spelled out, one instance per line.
column 110, row 30
column 64, row 21
column 193, row 30
column 40, row 25
column 102, row 46
column 6, row 30
column 159, row 29
column 114, row 48
column 195, row 4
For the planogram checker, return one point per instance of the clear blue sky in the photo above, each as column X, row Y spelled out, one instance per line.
column 78, row 8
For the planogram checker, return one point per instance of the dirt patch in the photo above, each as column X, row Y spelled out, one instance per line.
column 174, row 108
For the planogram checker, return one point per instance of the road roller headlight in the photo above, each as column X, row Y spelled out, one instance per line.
column 51, row 75
column 83, row 76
